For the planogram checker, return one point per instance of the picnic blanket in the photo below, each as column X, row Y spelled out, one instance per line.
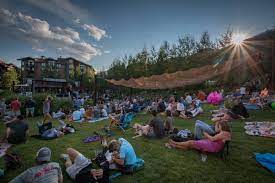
column 263, row 129
column 3, row 148
column 267, row 160
column 93, row 138
column 97, row 119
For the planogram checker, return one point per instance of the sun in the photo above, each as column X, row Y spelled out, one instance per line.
column 238, row 38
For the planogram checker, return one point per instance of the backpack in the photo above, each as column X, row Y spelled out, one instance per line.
column 182, row 136
column 12, row 161
column 184, row 133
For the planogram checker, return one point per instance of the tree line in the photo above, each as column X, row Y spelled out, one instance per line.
column 170, row 57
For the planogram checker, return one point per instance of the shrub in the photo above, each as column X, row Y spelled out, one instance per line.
column 39, row 98
column 65, row 104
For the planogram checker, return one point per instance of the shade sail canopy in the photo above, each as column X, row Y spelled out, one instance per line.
column 173, row 80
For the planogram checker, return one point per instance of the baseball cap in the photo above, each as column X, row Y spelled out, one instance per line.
column 43, row 154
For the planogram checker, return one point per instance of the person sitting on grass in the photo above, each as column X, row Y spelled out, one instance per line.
column 135, row 106
column 201, row 96
column 264, row 93
column 180, row 106
column 77, row 116
column 195, row 110
column 172, row 105
column 45, row 171
column 16, row 130
column 89, row 114
column 58, row 114
column 103, row 113
column 156, row 126
column 211, row 144
column 161, row 105
column 81, row 170
column 117, row 117
column 123, row 155
column 168, row 122
column 188, row 99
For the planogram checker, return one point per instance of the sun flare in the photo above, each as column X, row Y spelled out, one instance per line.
column 238, row 38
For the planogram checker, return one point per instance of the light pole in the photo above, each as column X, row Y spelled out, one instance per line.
column 273, row 66
column 95, row 89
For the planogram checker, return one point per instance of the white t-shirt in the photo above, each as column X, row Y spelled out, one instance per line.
column 104, row 113
column 45, row 173
column 242, row 90
column 76, row 115
column 82, row 101
column 180, row 106
column 188, row 99
column 82, row 110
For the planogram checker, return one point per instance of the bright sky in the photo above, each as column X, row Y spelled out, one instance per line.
column 97, row 31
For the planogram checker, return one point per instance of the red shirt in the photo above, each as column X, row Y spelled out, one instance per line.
column 15, row 105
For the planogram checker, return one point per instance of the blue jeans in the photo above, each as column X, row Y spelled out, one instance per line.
column 251, row 106
column 201, row 127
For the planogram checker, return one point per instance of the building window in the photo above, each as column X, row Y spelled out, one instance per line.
column 82, row 68
column 51, row 63
column 43, row 66
column 58, row 66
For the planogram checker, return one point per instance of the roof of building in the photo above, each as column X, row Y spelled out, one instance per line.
column 49, row 58
column 5, row 65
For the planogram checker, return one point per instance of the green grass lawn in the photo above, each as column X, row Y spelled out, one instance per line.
column 162, row 164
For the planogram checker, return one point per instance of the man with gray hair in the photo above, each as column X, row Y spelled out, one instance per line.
column 44, row 172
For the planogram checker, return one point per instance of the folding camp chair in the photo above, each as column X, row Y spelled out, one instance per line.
column 127, row 119
column 225, row 151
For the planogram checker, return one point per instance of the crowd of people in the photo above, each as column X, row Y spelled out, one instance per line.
column 119, row 154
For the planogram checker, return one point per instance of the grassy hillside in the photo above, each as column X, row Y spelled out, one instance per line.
column 162, row 164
